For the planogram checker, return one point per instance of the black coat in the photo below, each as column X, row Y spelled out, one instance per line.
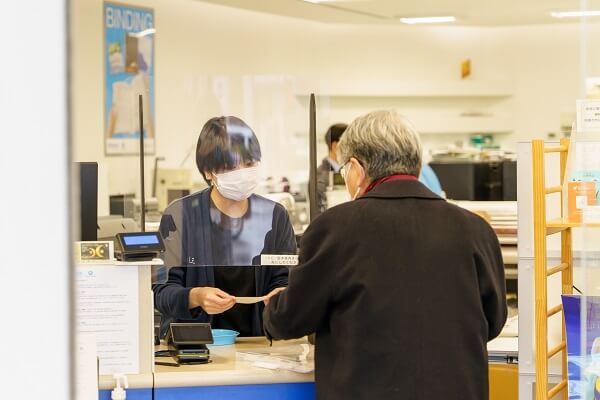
column 403, row 290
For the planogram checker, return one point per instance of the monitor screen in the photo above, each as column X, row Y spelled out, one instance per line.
column 140, row 240
column 88, row 200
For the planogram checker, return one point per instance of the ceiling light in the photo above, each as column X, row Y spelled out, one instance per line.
column 428, row 20
column 567, row 14
column 335, row 1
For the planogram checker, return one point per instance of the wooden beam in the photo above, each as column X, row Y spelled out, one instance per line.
column 555, row 310
column 561, row 386
column 558, row 268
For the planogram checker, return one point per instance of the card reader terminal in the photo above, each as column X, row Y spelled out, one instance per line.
column 187, row 342
column 139, row 246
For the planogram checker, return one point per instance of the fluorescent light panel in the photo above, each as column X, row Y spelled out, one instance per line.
column 428, row 20
column 575, row 14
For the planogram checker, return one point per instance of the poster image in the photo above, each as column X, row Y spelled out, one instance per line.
column 128, row 72
column 582, row 319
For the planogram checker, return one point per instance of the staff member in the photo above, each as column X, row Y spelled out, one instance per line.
column 214, row 237
column 329, row 163
column 406, row 292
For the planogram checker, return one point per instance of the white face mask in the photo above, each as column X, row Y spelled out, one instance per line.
column 238, row 184
column 346, row 183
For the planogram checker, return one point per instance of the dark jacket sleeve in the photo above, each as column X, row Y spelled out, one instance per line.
column 490, row 270
column 303, row 306
column 285, row 243
column 172, row 298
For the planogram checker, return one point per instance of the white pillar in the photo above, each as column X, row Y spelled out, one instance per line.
column 34, row 284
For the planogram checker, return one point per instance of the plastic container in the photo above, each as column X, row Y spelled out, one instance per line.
column 222, row 337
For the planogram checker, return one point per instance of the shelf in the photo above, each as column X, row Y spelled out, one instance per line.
column 405, row 89
column 558, row 225
column 453, row 123
column 444, row 121
column 510, row 255
column 511, row 273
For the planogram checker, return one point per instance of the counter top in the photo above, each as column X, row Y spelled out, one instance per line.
column 226, row 370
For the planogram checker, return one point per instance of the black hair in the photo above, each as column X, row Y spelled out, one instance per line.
column 225, row 143
column 334, row 133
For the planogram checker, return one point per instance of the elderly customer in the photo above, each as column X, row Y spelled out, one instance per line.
column 406, row 293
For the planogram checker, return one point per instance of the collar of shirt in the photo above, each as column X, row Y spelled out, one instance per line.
column 390, row 178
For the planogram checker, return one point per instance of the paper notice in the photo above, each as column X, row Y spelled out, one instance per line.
column 279, row 259
column 588, row 116
column 86, row 362
column 107, row 305
column 249, row 300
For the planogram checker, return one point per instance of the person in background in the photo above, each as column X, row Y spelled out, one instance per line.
column 329, row 163
column 430, row 180
column 214, row 237
column 405, row 292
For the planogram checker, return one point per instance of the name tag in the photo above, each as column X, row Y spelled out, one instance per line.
column 279, row 259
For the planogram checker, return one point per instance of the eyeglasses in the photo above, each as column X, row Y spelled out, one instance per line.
column 344, row 170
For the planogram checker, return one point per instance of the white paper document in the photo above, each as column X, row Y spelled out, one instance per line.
column 86, row 362
column 504, row 345
column 249, row 300
column 107, row 304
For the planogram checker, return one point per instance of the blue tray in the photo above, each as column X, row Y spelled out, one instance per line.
column 223, row 337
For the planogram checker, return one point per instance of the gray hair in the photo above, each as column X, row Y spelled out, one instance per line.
column 384, row 142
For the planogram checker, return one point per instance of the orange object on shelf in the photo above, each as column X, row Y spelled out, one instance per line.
column 580, row 195
column 465, row 68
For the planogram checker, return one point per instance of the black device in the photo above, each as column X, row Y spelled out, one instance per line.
column 139, row 246
column 312, row 151
column 88, row 200
column 187, row 342
column 312, row 180
column 477, row 180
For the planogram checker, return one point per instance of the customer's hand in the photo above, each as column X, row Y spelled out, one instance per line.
column 272, row 293
column 212, row 300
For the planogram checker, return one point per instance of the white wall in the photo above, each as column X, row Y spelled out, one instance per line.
column 35, row 214
column 195, row 41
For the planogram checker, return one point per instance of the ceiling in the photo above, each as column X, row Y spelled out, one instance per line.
column 388, row 12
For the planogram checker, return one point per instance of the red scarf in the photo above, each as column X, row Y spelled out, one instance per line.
column 390, row 178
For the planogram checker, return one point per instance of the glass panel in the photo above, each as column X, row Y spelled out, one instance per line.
column 233, row 195
column 582, row 200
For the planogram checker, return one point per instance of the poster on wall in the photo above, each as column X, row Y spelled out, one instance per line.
column 582, row 320
column 128, row 72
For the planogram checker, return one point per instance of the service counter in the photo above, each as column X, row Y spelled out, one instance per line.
column 225, row 377
column 228, row 378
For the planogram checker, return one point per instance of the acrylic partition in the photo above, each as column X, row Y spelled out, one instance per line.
column 582, row 309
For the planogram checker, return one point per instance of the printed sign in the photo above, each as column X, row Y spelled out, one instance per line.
column 588, row 116
column 94, row 252
column 279, row 259
column 128, row 72
column 582, row 319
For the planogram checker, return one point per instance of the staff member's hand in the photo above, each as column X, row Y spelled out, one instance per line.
column 272, row 293
column 212, row 300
